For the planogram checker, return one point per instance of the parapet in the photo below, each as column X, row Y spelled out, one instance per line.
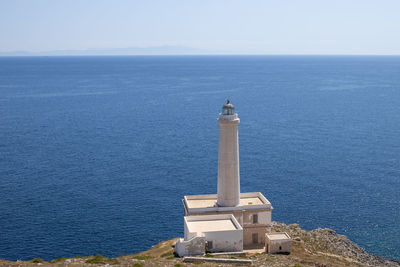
column 208, row 203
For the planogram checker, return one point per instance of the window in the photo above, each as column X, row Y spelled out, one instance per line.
column 255, row 218
column 255, row 238
column 280, row 248
column 209, row 245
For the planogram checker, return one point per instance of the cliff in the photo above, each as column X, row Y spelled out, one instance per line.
column 319, row 247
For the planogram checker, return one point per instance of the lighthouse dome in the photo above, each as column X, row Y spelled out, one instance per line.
column 228, row 108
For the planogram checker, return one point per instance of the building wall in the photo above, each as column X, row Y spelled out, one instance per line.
column 258, row 228
column 188, row 235
column 278, row 246
column 249, row 242
column 225, row 240
column 193, row 247
column 186, row 232
column 264, row 217
column 245, row 219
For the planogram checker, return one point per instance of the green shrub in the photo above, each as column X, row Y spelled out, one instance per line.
column 37, row 260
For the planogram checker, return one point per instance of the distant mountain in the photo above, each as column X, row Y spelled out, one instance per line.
column 155, row 50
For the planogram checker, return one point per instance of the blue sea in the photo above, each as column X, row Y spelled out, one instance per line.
column 96, row 153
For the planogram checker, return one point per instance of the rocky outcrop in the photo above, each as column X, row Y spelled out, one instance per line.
column 327, row 242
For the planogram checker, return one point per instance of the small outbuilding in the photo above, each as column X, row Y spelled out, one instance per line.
column 278, row 243
column 210, row 233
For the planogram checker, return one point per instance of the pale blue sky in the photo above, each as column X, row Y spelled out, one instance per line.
column 245, row 27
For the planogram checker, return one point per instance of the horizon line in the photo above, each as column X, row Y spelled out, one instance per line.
column 150, row 55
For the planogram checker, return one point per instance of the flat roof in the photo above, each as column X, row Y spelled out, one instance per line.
column 249, row 200
column 212, row 202
column 211, row 225
column 200, row 224
column 278, row 236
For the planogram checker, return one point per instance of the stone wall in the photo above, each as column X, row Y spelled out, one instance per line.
column 191, row 247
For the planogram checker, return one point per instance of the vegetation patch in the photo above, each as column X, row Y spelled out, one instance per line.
column 142, row 257
column 37, row 260
column 100, row 259
column 58, row 260
column 78, row 257
column 171, row 253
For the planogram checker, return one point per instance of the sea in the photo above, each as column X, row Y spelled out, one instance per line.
column 96, row 153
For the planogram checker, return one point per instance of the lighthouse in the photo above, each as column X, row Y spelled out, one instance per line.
column 229, row 220
column 228, row 157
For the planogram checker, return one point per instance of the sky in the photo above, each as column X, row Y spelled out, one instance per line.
column 203, row 26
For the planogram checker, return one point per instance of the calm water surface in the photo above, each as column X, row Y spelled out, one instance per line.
column 96, row 153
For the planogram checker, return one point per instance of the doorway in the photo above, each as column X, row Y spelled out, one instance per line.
column 255, row 238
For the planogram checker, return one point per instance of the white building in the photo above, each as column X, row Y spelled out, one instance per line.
column 278, row 243
column 213, row 233
column 252, row 211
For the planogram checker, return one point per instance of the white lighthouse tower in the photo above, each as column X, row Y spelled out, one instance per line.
column 228, row 221
column 228, row 158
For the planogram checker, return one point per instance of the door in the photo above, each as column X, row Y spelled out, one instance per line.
column 255, row 238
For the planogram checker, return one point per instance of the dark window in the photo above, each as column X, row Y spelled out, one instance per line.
column 209, row 245
column 280, row 248
column 255, row 238
column 255, row 218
